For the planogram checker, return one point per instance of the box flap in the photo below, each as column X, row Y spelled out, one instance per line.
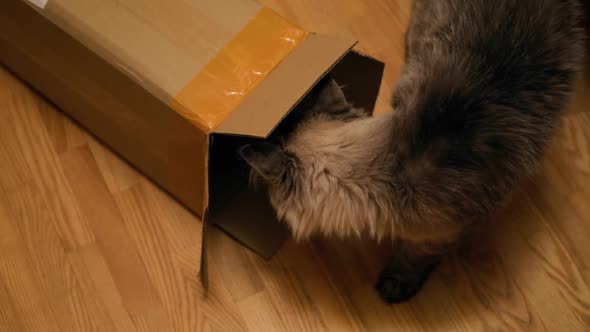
column 243, row 211
column 284, row 87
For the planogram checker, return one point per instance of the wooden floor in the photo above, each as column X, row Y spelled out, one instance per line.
column 88, row 244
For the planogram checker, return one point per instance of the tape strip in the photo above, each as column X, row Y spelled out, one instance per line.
column 234, row 72
column 237, row 69
column 39, row 3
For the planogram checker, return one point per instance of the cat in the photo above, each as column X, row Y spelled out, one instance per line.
column 481, row 94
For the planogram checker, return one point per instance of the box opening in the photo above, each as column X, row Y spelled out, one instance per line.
column 243, row 211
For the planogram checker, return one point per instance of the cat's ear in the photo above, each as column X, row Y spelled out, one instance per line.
column 268, row 160
column 330, row 94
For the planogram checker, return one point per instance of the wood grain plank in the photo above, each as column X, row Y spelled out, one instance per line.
column 117, row 174
column 10, row 241
column 154, row 321
column 283, row 284
column 62, row 131
column 33, row 219
column 80, row 309
column 70, row 299
column 335, row 309
column 10, row 246
column 237, row 271
column 560, row 267
column 181, row 228
column 439, row 309
column 30, row 308
column 13, row 166
column 88, row 244
column 9, row 319
column 519, row 245
column 148, row 237
column 97, row 271
column 493, row 296
column 472, row 281
column 32, row 142
column 177, row 290
column 561, row 188
column 260, row 314
column 377, row 317
column 105, row 219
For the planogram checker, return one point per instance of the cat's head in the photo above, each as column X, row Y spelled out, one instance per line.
column 296, row 172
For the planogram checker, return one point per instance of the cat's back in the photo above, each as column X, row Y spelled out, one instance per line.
column 483, row 89
column 470, row 21
column 504, row 41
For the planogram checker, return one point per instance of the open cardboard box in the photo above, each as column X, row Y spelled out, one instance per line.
column 176, row 87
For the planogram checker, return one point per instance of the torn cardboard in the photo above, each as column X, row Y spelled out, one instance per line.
column 176, row 87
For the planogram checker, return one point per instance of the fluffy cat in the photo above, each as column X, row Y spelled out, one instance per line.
column 482, row 92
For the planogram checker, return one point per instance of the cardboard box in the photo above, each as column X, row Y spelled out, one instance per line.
column 176, row 86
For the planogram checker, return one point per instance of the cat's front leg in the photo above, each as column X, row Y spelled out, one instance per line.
column 402, row 279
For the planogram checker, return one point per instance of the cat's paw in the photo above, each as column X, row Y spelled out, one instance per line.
column 397, row 286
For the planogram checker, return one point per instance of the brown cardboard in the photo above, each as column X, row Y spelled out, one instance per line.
column 281, row 90
column 116, row 67
column 159, row 44
column 112, row 106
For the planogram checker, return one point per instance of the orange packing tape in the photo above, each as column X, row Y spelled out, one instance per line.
column 237, row 69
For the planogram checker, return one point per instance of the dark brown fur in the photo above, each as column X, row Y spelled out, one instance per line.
column 482, row 93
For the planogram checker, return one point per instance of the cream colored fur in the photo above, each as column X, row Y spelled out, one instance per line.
column 343, row 192
column 345, row 184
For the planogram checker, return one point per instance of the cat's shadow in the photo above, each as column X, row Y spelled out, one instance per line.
column 479, row 284
column 482, row 287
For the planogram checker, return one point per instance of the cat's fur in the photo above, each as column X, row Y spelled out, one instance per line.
column 481, row 94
